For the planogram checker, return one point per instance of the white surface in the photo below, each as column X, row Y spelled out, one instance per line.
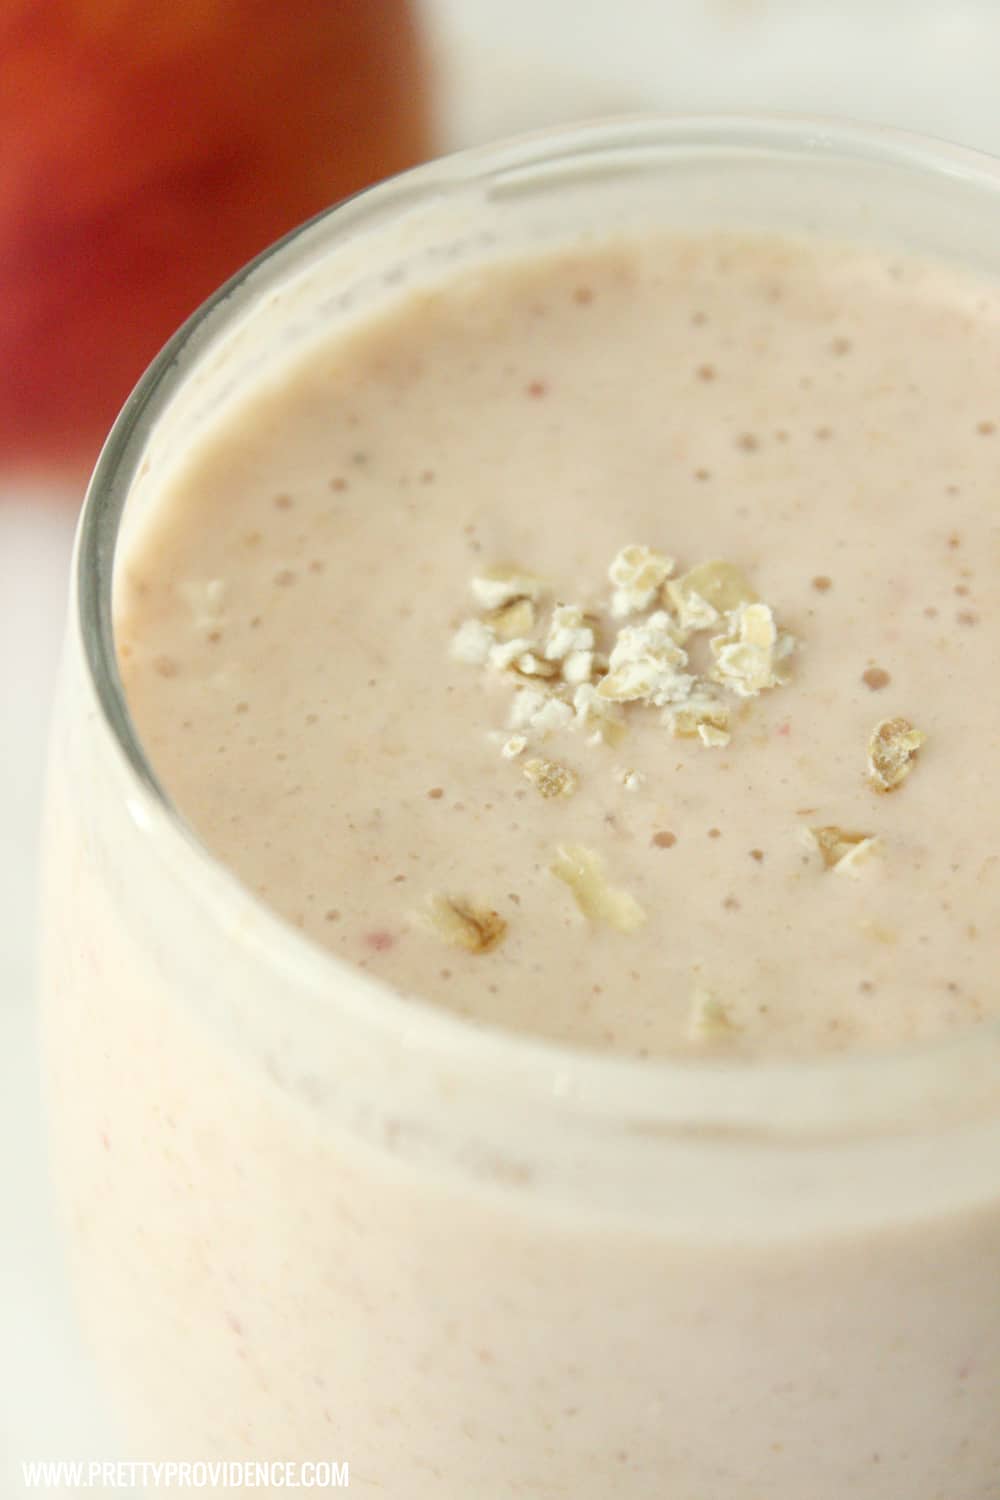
column 504, row 65
column 46, row 1408
column 923, row 64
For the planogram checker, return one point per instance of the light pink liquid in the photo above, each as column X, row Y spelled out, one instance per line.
column 824, row 420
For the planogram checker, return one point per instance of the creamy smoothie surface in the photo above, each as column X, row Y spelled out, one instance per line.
column 603, row 646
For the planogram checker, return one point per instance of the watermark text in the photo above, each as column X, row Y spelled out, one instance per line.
column 210, row 1474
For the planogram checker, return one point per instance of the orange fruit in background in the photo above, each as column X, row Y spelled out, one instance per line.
column 149, row 148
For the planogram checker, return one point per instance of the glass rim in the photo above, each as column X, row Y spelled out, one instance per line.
column 879, row 1090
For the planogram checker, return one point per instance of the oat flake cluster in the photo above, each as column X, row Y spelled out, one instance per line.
column 564, row 677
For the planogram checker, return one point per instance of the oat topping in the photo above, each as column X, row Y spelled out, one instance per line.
column 550, row 778
column 472, row 643
column 853, row 862
column 638, row 574
column 692, row 611
column 506, row 655
column 535, row 710
column 530, row 664
column 603, row 719
column 514, row 619
column 707, row 592
column 569, row 633
column 525, row 707
column 629, row 779
column 460, row 924
column 583, row 871
column 842, row 851
column 646, row 663
column 554, row 714
column 751, row 656
column 892, row 748
column 533, row 665
column 704, row 714
column 578, row 667
column 514, row 746
column 708, row 1019
column 571, row 677
column 503, row 585
column 520, row 656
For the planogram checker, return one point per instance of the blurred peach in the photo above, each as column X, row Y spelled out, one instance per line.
column 150, row 147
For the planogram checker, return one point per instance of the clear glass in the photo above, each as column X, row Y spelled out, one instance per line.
column 310, row 1220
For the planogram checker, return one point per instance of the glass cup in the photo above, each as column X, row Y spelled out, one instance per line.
column 310, row 1220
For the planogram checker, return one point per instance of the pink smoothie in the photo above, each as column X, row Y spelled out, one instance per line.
column 820, row 419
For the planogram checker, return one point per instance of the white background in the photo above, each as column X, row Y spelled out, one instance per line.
column 503, row 66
